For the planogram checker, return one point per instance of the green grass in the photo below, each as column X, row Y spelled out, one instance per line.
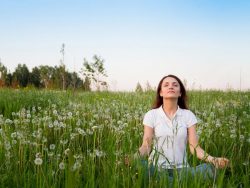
column 83, row 138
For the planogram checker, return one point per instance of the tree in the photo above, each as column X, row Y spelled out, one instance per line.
column 3, row 74
column 95, row 72
column 35, row 77
column 73, row 81
column 21, row 75
column 8, row 81
column 74, row 78
column 138, row 88
column 86, row 84
column 46, row 73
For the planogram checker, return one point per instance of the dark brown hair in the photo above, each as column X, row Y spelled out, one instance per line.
column 182, row 100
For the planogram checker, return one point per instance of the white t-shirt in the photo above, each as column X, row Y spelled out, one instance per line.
column 170, row 137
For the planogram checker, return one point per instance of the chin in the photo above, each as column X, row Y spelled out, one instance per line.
column 171, row 97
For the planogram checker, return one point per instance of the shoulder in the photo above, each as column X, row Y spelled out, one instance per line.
column 189, row 117
column 186, row 112
column 152, row 111
column 150, row 117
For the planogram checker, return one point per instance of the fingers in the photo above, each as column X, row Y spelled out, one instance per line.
column 221, row 162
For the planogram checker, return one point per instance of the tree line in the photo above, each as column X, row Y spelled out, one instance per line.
column 56, row 77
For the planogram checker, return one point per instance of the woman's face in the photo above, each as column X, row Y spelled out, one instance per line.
column 170, row 88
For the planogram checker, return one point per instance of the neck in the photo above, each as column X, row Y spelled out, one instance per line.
column 170, row 107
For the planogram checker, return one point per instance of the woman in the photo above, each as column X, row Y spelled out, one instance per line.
column 170, row 125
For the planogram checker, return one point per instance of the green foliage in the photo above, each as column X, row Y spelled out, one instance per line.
column 3, row 73
column 56, row 77
column 21, row 75
column 35, row 77
column 94, row 72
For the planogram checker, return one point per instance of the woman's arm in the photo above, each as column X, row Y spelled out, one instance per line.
column 200, row 153
column 145, row 148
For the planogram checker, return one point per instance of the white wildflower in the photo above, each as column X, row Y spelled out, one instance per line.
column 55, row 112
column 51, row 125
column 8, row 121
column 38, row 161
column 99, row 153
column 70, row 114
column 62, row 165
column 76, row 166
column 64, row 142
column 50, row 154
column 81, row 131
column 233, row 136
column 13, row 135
column 14, row 142
column 52, row 146
column 66, row 152
column 7, row 145
column 242, row 137
column 56, row 123
column 94, row 127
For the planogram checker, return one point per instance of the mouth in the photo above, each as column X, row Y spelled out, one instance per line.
column 171, row 92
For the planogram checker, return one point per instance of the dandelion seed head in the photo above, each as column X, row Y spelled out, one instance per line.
column 52, row 146
column 94, row 127
column 64, row 142
column 14, row 142
column 55, row 112
column 233, row 136
column 7, row 145
column 81, row 131
column 62, row 166
column 38, row 161
column 66, row 152
column 76, row 166
column 242, row 137
column 8, row 121
column 13, row 135
column 56, row 123
column 70, row 114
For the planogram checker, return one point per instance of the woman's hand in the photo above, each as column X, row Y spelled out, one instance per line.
column 220, row 162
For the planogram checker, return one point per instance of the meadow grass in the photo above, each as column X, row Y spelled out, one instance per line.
column 65, row 139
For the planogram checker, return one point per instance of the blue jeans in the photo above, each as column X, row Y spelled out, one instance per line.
column 205, row 171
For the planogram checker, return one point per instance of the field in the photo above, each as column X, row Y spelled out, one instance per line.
column 65, row 139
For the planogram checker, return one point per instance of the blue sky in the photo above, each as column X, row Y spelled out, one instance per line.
column 206, row 42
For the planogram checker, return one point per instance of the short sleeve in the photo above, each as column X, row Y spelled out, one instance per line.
column 191, row 119
column 148, row 119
